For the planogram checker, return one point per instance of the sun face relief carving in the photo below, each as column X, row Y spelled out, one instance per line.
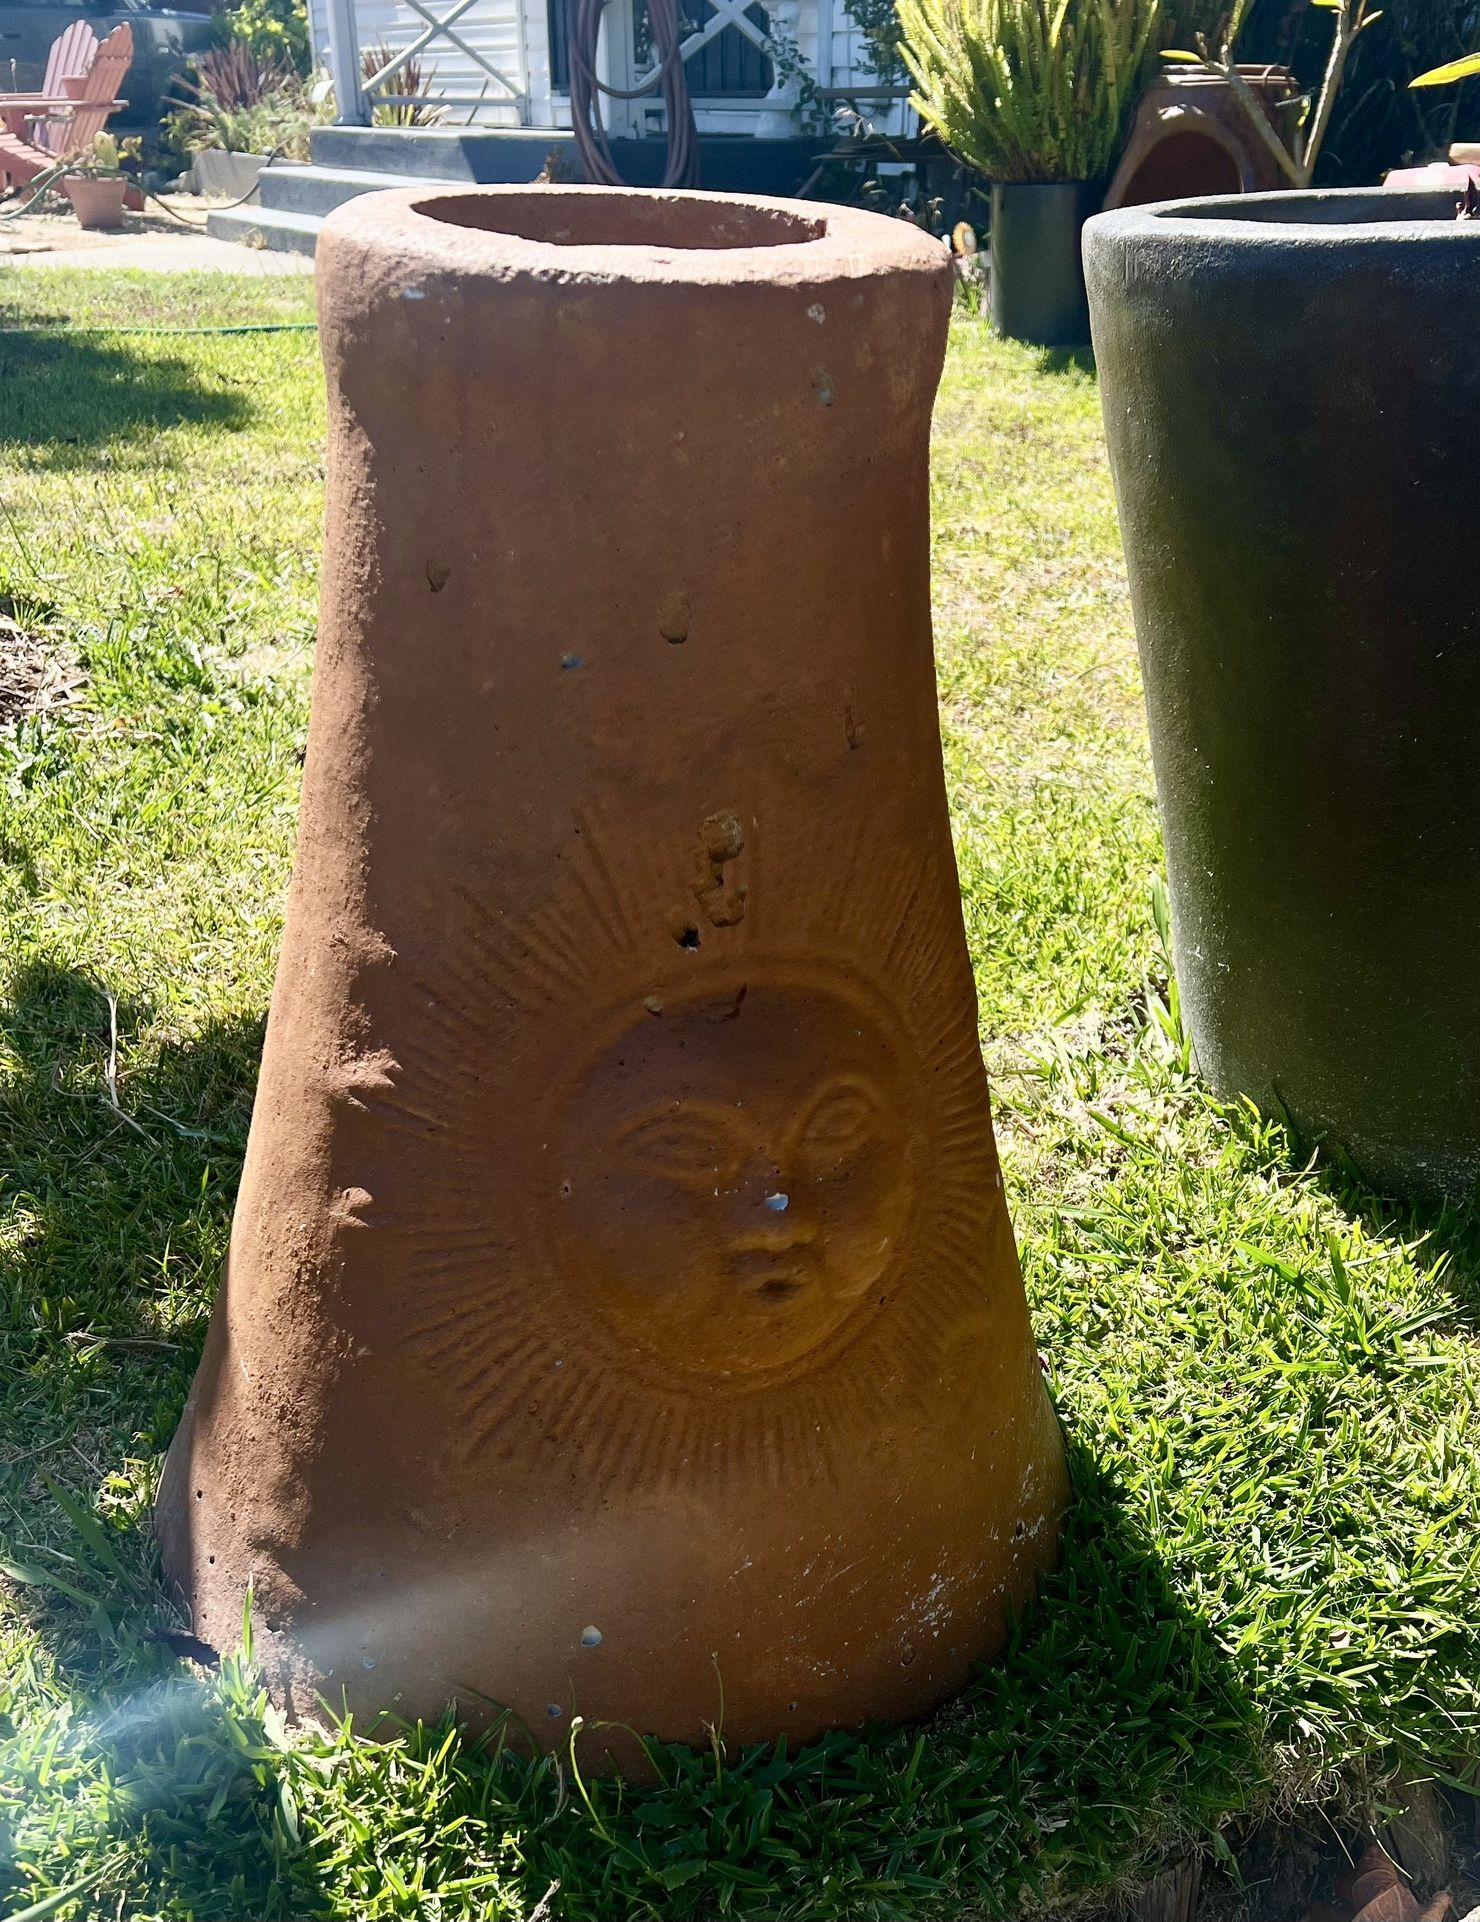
column 684, row 1214
column 733, row 1177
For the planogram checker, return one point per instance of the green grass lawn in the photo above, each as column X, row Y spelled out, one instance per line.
column 1268, row 1593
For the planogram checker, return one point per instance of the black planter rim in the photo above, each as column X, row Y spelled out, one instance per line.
column 1358, row 216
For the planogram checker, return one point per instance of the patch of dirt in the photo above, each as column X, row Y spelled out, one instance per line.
column 50, row 224
column 37, row 674
column 1313, row 1868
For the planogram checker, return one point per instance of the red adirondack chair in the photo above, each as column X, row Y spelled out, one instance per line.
column 72, row 53
column 41, row 129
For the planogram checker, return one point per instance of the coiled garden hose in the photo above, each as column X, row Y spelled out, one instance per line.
column 37, row 188
column 682, row 169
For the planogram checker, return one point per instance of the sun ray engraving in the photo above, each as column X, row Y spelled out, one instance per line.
column 708, row 1251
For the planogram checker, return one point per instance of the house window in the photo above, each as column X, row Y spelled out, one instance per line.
column 728, row 66
column 559, row 11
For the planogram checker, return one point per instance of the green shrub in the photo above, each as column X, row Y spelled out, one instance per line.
column 878, row 22
column 276, row 29
column 1030, row 90
column 242, row 101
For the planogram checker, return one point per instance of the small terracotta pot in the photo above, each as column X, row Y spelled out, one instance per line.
column 97, row 203
column 623, row 1316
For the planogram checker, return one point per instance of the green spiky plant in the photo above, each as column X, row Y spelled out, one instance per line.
column 411, row 81
column 1463, row 69
column 1030, row 90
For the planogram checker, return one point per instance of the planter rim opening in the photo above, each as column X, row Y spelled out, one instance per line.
column 597, row 217
column 1352, row 214
column 634, row 234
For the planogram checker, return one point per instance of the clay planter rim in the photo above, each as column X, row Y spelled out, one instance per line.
column 1255, row 72
column 1359, row 217
column 637, row 235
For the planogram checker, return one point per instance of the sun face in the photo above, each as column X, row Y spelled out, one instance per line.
column 689, row 1164
column 734, row 1174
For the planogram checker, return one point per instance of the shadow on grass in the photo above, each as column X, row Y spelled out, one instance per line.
column 114, row 1231
column 1447, row 1229
column 1123, row 1725
column 1114, row 1729
column 118, row 1215
column 64, row 392
column 1065, row 360
column 1113, row 1732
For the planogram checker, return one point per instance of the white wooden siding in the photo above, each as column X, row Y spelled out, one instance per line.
column 492, row 27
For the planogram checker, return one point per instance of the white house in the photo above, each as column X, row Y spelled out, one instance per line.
column 497, row 63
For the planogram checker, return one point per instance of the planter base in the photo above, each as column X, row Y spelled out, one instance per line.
column 229, row 175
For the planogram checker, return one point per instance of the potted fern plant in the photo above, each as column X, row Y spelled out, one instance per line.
column 1035, row 96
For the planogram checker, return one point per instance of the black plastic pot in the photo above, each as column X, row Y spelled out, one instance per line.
column 1037, row 279
column 1291, row 387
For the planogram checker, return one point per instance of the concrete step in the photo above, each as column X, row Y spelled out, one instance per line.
column 348, row 161
column 284, row 232
column 297, row 189
column 486, row 155
column 499, row 156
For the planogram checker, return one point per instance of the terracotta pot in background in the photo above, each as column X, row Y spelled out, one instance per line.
column 1193, row 136
column 623, row 1305
column 97, row 203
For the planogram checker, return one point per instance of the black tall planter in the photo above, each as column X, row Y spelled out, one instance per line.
column 1291, row 387
column 1037, row 278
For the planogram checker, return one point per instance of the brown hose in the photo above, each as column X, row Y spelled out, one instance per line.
column 586, row 90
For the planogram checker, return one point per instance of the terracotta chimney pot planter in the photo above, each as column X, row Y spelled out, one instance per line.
column 622, row 1292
